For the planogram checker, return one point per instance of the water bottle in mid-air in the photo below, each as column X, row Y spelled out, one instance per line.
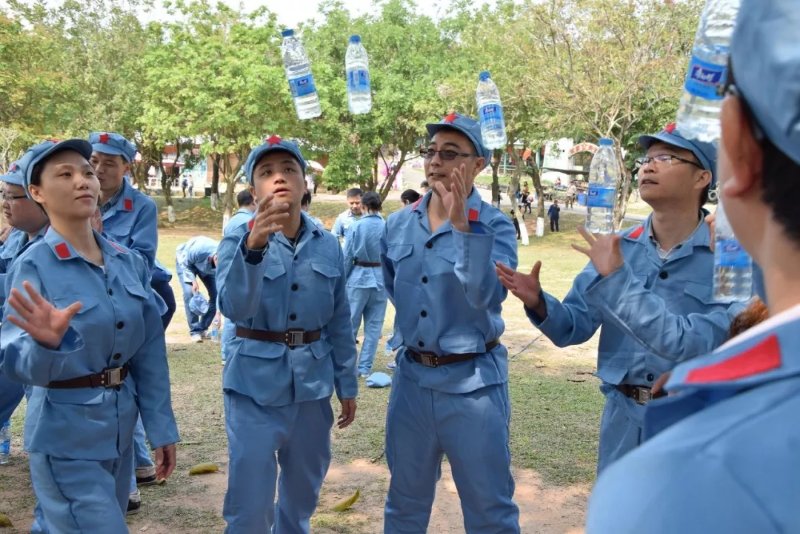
column 698, row 113
column 490, row 112
column 298, row 72
column 604, row 175
column 5, row 442
column 733, row 267
column 356, row 65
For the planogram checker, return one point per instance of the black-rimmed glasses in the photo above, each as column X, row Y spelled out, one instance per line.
column 446, row 155
column 665, row 158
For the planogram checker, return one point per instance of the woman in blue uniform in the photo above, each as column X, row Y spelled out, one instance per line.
column 84, row 330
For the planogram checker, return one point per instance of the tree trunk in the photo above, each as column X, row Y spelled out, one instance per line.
column 623, row 190
column 391, row 175
column 517, row 174
column 495, row 163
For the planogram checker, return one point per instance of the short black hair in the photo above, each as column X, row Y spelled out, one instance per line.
column 306, row 200
column 354, row 192
column 244, row 198
column 371, row 201
column 36, row 173
column 409, row 196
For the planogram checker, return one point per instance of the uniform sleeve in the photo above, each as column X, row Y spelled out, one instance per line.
column 150, row 372
column 477, row 252
column 239, row 282
column 182, row 266
column 572, row 321
column 338, row 228
column 24, row 359
column 350, row 252
column 144, row 235
column 643, row 315
column 386, row 265
column 340, row 330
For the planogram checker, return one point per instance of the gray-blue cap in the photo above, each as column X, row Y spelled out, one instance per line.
column 113, row 144
column 273, row 143
column 14, row 175
column 765, row 55
column 39, row 153
column 467, row 126
column 705, row 153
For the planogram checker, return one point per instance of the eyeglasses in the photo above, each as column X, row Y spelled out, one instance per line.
column 665, row 158
column 12, row 198
column 446, row 155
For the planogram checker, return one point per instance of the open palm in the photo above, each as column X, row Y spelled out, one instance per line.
column 44, row 322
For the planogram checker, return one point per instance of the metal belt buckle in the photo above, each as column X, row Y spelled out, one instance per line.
column 428, row 360
column 295, row 338
column 643, row 395
column 112, row 377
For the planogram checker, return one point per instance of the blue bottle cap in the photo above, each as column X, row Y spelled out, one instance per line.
column 605, row 141
column 355, row 39
column 483, row 76
column 287, row 33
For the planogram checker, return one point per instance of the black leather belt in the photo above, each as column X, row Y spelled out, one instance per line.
column 108, row 378
column 640, row 394
column 430, row 359
column 292, row 337
column 367, row 263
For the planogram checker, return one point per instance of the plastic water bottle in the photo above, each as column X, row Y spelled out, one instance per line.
column 356, row 65
column 604, row 174
column 298, row 72
column 733, row 267
column 490, row 112
column 698, row 113
column 5, row 442
column 215, row 330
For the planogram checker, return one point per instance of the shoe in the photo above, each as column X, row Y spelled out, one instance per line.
column 197, row 338
column 134, row 503
column 146, row 476
column 391, row 365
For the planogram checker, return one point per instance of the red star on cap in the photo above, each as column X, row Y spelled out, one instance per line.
column 104, row 138
column 274, row 140
column 669, row 128
column 451, row 118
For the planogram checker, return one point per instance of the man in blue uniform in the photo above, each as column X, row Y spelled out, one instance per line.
column 450, row 388
column 247, row 205
column 344, row 220
column 648, row 287
column 197, row 259
column 731, row 464
column 282, row 282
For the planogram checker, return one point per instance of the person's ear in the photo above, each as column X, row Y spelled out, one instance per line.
column 740, row 148
column 480, row 163
column 35, row 193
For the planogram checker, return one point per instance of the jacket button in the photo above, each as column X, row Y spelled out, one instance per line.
column 428, row 245
column 663, row 275
column 292, row 316
column 421, row 343
column 424, row 279
column 423, row 313
column 117, row 356
column 294, row 287
column 650, row 377
column 110, row 291
column 120, row 325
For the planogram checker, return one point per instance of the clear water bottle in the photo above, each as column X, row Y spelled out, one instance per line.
column 604, row 175
column 356, row 65
column 215, row 330
column 733, row 267
column 298, row 72
column 698, row 113
column 490, row 112
column 5, row 442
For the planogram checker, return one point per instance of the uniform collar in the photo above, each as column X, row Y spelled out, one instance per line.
column 474, row 206
column 643, row 234
column 122, row 199
column 63, row 250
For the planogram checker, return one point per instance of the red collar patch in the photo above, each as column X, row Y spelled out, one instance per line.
column 451, row 118
column 636, row 233
column 274, row 140
column 104, row 138
column 250, row 224
column 417, row 203
column 117, row 246
column 62, row 251
column 761, row 358
column 473, row 215
column 128, row 204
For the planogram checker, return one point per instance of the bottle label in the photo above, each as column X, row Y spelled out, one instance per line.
column 492, row 113
column 704, row 79
column 600, row 197
column 358, row 80
column 302, row 86
column 731, row 254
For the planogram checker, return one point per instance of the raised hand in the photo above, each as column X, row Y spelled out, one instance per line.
column 270, row 218
column 454, row 199
column 526, row 287
column 605, row 251
column 44, row 322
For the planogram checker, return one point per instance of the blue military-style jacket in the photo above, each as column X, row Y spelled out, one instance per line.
column 364, row 244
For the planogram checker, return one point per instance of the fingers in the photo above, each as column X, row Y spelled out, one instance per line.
column 165, row 461
column 348, row 413
column 264, row 202
column 34, row 295
column 586, row 234
column 21, row 304
column 583, row 250
column 71, row 310
column 536, row 269
column 504, row 269
column 440, row 189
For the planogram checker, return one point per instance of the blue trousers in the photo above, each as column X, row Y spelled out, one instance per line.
column 199, row 324
column 620, row 427
column 369, row 303
column 80, row 496
column 422, row 425
column 296, row 437
column 11, row 394
column 141, row 452
column 227, row 334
